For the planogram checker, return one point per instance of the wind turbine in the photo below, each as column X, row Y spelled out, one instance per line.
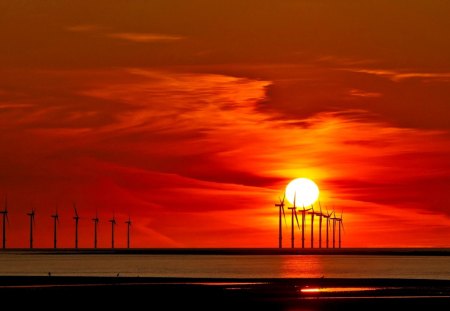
column 76, row 218
column 31, row 214
column 5, row 220
column 113, row 223
column 95, row 220
column 293, row 214
column 334, row 219
column 128, row 222
column 303, row 211
column 327, row 217
column 55, row 217
column 312, row 224
column 280, row 229
column 320, row 225
column 341, row 224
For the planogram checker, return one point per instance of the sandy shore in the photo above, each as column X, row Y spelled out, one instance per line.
column 224, row 294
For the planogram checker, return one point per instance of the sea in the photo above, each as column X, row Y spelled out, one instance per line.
column 225, row 266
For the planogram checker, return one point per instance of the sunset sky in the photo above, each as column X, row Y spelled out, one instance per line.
column 192, row 116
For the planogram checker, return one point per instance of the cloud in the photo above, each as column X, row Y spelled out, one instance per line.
column 144, row 37
column 365, row 94
column 401, row 75
column 140, row 37
column 177, row 149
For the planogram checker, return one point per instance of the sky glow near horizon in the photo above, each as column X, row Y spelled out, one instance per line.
column 193, row 118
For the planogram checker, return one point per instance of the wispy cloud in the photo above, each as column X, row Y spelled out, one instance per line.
column 140, row 37
column 144, row 37
column 402, row 75
column 185, row 148
column 365, row 94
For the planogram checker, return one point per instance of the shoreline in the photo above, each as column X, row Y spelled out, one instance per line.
column 237, row 251
column 6, row 280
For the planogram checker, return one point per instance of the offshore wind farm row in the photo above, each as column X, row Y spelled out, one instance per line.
column 331, row 222
column 299, row 191
column 55, row 216
column 305, row 192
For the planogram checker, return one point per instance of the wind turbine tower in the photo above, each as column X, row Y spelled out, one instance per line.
column 280, row 228
column 31, row 214
column 293, row 214
column 55, row 217
column 327, row 217
column 334, row 219
column 5, row 220
column 321, row 214
column 113, row 223
column 76, row 218
column 128, row 222
column 341, row 224
column 303, row 211
column 95, row 220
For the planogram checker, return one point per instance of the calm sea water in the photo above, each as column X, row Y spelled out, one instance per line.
column 228, row 266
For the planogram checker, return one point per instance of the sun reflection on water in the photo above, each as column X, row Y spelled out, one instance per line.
column 313, row 290
column 302, row 266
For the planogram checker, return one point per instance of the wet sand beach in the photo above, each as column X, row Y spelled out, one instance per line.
column 132, row 293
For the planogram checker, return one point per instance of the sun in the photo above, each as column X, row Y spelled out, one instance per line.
column 304, row 190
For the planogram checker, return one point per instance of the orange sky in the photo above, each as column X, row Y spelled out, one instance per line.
column 192, row 116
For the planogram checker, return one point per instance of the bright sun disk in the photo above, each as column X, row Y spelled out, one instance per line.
column 304, row 190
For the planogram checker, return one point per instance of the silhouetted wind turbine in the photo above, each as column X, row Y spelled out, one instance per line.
column 327, row 216
column 76, row 218
column 334, row 219
column 113, row 223
column 320, row 225
column 31, row 214
column 95, row 220
column 293, row 214
column 312, row 224
column 5, row 219
column 55, row 217
column 128, row 222
column 341, row 224
column 303, row 211
column 280, row 229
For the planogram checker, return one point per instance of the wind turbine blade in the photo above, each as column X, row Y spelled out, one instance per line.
column 320, row 206
column 75, row 210
column 284, row 215
column 328, row 212
column 284, row 197
column 296, row 218
column 295, row 196
column 7, row 218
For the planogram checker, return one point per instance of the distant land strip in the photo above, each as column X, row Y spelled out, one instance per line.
column 238, row 251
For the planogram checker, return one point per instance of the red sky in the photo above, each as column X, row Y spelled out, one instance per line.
column 192, row 116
